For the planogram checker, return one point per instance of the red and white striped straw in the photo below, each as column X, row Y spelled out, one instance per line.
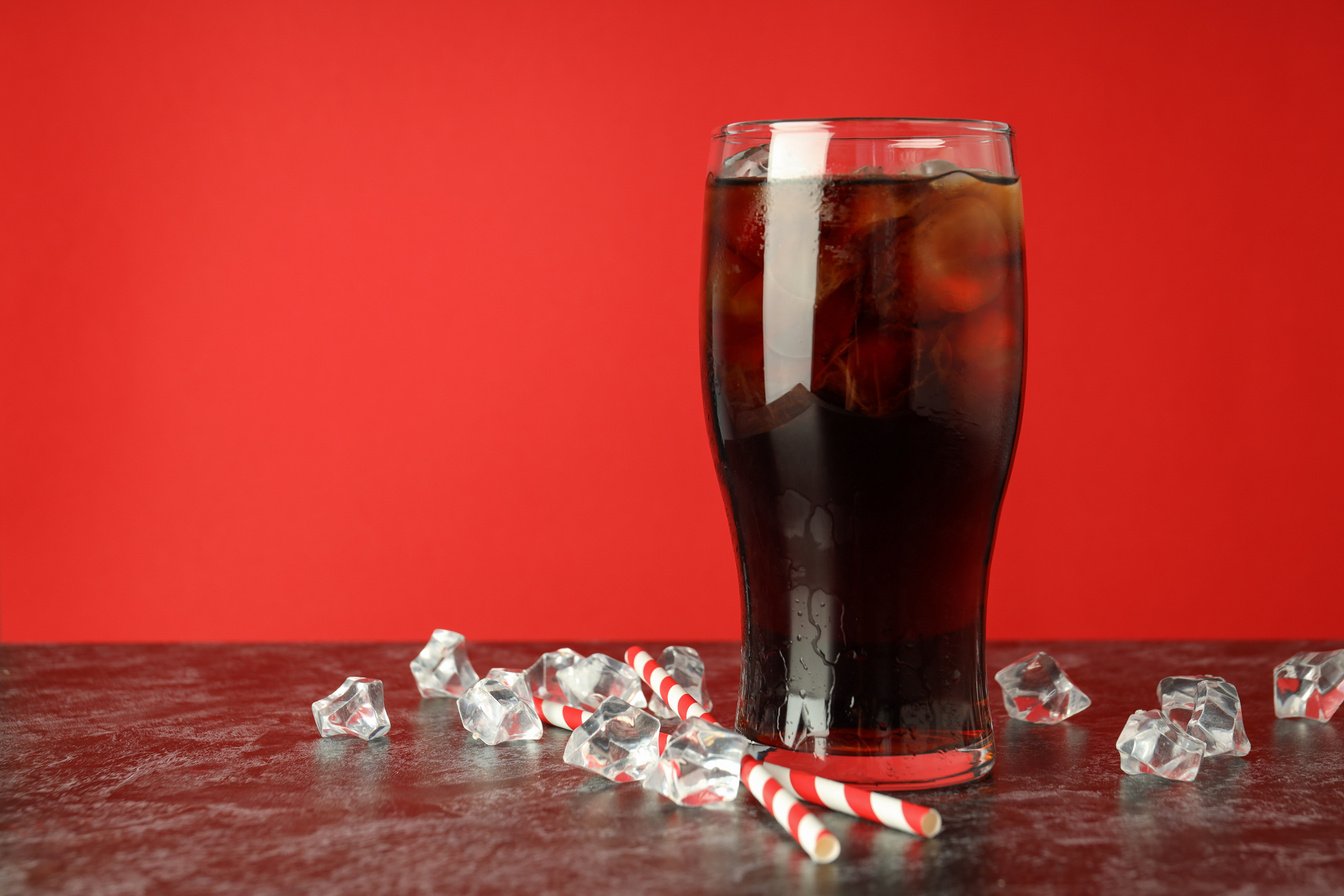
column 561, row 715
column 801, row 823
column 665, row 686
column 857, row 801
column 921, row 821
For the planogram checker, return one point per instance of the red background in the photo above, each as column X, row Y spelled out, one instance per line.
column 338, row 320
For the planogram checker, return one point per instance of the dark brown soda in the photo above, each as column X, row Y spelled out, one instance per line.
column 864, row 502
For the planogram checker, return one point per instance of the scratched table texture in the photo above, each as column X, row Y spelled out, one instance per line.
column 171, row 768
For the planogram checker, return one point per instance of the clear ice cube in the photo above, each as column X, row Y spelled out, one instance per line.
column 442, row 668
column 1035, row 689
column 541, row 674
column 1215, row 712
column 700, row 765
column 1309, row 685
column 494, row 713
column 688, row 670
column 355, row 709
column 1152, row 744
column 935, row 167
column 751, row 162
column 1176, row 693
column 516, row 679
column 595, row 678
column 618, row 741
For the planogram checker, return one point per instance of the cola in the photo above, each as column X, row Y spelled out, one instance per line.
column 864, row 346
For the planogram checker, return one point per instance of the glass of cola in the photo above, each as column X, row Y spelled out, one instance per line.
column 863, row 340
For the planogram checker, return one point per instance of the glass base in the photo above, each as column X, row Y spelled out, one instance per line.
column 921, row 771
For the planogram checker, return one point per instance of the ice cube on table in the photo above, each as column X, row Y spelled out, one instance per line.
column 1309, row 685
column 619, row 741
column 688, row 670
column 1177, row 692
column 495, row 713
column 442, row 668
column 354, row 709
column 700, row 766
column 595, row 678
column 516, row 679
column 541, row 674
column 1152, row 744
column 1215, row 712
column 1035, row 689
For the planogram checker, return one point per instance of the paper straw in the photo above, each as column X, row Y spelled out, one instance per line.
column 801, row 823
column 921, row 821
column 665, row 686
column 848, row 798
column 560, row 715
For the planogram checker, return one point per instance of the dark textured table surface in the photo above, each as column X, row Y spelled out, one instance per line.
column 147, row 769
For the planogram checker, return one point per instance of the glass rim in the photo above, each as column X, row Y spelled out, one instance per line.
column 956, row 127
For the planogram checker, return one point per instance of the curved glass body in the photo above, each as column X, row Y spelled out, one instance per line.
column 863, row 336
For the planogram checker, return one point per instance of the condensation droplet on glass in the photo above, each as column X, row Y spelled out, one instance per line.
column 794, row 511
column 822, row 528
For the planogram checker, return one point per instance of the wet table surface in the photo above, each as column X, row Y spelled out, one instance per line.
column 169, row 768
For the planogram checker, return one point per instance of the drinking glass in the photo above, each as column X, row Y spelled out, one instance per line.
column 863, row 366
